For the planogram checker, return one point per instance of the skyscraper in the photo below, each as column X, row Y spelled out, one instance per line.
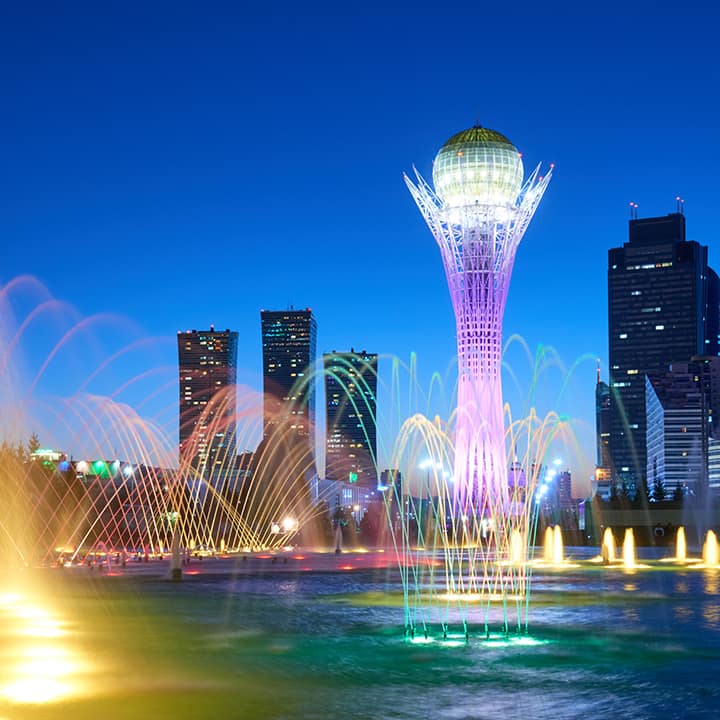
column 603, row 463
column 602, row 422
column 351, row 431
column 289, row 339
column 207, row 361
column 662, row 307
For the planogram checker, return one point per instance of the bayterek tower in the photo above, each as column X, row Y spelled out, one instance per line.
column 478, row 212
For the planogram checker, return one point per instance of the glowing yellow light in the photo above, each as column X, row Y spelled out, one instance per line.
column 289, row 524
column 474, row 597
column 9, row 600
column 35, row 690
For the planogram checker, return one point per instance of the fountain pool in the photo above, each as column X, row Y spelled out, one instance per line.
column 321, row 636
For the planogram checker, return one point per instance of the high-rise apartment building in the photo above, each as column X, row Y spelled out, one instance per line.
column 289, row 339
column 207, row 361
column 351, row 430
column 662, row 307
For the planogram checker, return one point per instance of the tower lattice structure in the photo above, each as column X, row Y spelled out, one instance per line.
column 478, row 213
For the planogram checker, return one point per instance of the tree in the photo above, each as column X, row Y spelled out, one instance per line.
column 33, row 443
column 658, row 491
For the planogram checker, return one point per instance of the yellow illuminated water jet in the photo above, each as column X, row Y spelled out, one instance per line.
column 711, row 556
column 608, row 546
column 680, row 545
column 680, row 557
column 629, row 561
column 628, row 551
column 548, row 545
column 554, row 549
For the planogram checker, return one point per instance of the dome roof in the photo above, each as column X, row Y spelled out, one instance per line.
column 478, row 166
column 477, row 134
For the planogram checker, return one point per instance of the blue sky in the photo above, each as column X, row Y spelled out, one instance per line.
column 183, row 164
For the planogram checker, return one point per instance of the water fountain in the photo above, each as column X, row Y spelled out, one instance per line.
column 710, row 553
column 628, row 549
column 680, row 545
column 548, row 545
column 554, row 550
column 608, row 547
column 681, row 552
column 139, row 502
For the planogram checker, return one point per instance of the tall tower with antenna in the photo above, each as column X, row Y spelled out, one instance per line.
column 478, row 212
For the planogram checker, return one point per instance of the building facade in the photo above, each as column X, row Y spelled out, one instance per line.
column 351, row 417
column 289, row 342
column 662, row 308
column 207, row 363
column 602, row 422
column 682, row 440
column 676, row 433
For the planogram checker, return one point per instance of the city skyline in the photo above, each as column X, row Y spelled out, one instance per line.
column 158, row 147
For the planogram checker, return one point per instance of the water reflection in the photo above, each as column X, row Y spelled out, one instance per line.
column 631, row 615
column 683, row 614
column 39, row 664
column 711, row 615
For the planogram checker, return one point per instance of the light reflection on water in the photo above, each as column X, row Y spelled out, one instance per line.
column 39, row 663
column 711, row 615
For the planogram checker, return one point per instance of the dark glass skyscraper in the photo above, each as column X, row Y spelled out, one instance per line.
column 602, row 423
column 351, row 401
column 662, row 307
column 289, row 340
column 207, row 361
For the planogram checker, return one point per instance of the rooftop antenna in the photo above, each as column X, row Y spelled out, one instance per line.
column 679, row 205
column 598, row 371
